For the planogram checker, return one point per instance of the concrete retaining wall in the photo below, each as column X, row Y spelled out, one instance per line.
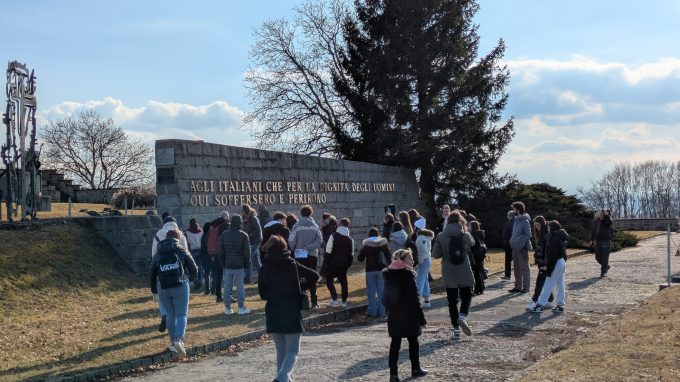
column 646, row 224
column 95, row 196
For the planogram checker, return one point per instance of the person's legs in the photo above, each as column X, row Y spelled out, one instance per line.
column 166, row 297
column 240, row 287
column 207, row 271
column 280, row 346
column 548, row 286
column 181, row 304
column 516, row 258
column 196, row 254
column 254, row 263
column 421, row 279
column 228, row 276
column 330, row 285
column 310, row 262
column 540, row 280
column 393, row 360
column 344, row 288
column 371, row 292
column 452, row 297
column 465, row 300
column 380, row 286
column 598, row 253
column 414, row 352
column 604, row 248
column 218, row 274
column 292, row 353
column 508, row 261
column 561, row 291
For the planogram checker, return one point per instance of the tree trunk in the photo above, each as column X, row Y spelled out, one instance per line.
column 427, row 193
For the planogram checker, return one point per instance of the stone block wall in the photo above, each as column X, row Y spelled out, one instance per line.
column 197, row 179
column 130, row 236
column 102, row 196
column 646, row 224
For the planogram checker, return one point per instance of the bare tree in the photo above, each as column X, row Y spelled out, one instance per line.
column 96, row 152
column 290, row 88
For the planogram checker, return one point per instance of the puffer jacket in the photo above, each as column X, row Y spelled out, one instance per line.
column 305, row 235
column 160, row 236
column 398, row 240
column 557, row 248
column 186, row 261
column 455, row 276
column 424, row 246
column 233, row 250
column 521, row 233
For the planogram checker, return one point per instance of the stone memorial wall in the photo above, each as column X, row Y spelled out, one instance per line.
column 197, row 179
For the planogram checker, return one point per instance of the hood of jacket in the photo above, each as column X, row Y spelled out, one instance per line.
column 344, row 231
column 306, row 221
column 453, row 229
column 236, row 223
column 271, row 223
column 399, row 237
column 170, row 226
column 423, row 237
column 278, row 256
column 560, row 234
column 524, row 216
column 218, row 221
column 375, row 241
column 168, row 245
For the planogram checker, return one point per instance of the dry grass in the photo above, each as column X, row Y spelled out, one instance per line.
column 641, row 235
column 60, row 210
column 68, row 303
column 643, row 344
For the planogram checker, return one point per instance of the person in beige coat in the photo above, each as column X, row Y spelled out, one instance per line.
column 452, row 246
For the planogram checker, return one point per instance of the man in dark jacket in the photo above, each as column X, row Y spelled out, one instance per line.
column 506, row 236
column 221, row 224
column 251, row 226
column 275, row 227
column 601, row 237
column 233, row 254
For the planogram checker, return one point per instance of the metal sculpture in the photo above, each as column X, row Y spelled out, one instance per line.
column 21, row 163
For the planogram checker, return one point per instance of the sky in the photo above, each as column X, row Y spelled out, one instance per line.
column 592, row 82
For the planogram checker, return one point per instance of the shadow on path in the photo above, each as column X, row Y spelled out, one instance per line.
column 519, row 325
column 577, row 285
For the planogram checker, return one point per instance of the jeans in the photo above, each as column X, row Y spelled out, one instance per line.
column 522, row 270
column 465, row 301
column 254, row 268
column 508, row 260
column 231, row 276
column 341, row 274
column 413, row 350
column 556, row 279
column 602, row 250
column 287, row 351
column 196, row 254
column 217, row 273
column 310, row 262
column 175, row 301
column 422, row 281
column 374, row 291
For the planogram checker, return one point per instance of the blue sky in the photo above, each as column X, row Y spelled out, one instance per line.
column 593, row 82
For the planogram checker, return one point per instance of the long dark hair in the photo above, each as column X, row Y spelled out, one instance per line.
column 543, row 229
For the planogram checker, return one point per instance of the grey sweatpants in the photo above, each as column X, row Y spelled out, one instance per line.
column 522, row 271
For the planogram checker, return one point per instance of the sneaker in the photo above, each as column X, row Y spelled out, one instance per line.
column 243, row 310
column 524, row 291
column 179, row 345
column 206, row 292
column 537, row 309
column 343, row 304
column 462, row 322
column 333, row 303
column 172, row 348
column 531, row 305
column 426, row 304
column 228, row 311
column 315, row 306
column 163, row 325
column 515, row 290
column 506, row 277
column 558, row 309
column 456, row 333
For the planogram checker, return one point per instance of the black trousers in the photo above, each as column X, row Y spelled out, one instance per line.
column 217, row 273
column 508, row 260
column 540, row 281
column 311, row 263
column 478, row 270
column 413, row 354
column 341, row 274
column 602, row 250
column 465, row 301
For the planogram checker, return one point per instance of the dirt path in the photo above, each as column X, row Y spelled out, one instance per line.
column 506, row 338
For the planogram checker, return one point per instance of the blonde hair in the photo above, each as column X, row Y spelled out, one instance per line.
column 401, row 254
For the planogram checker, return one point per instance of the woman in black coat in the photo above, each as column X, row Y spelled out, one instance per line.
column 279, row 285
column 405, row 318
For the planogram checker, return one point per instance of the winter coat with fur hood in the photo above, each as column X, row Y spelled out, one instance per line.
column 372, row 249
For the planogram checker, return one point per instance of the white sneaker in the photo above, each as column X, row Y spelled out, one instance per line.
column 426, row 304
column 243, row 310
column 462, row 322
column 531, row 305
column 179, row 345
column 172, row 348
column 343, row 304
column 333, row 303
column 228, row 311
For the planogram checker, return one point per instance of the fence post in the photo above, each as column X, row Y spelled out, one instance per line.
column 670, row 275
column 125, row 203
column 70, row 205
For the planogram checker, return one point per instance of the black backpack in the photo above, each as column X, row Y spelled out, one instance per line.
column 457, row 250
column 170, row 270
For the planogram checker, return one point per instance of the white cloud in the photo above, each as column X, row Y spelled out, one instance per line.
column 216, row 122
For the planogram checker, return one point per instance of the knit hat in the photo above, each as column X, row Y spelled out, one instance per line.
column 420, row 223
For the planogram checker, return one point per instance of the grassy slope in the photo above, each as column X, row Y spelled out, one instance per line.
column 60, row 210
column 644, row 344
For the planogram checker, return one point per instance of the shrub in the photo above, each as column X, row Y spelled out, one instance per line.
column 142, row 197
column 622, row 240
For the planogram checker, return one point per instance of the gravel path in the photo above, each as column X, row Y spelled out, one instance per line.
column 505, row 342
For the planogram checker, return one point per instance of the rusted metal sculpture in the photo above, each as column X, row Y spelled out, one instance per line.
column 21, row 162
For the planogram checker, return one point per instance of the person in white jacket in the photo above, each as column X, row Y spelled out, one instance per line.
column 424, row 247
column 169, row 223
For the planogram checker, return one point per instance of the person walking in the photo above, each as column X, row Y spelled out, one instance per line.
column 601, row 237
column 452, row 246
column 405, row 317
column 304, row 241
column 398, row 237
column 541, row 239
column 521, row 245
column 275, row 227
column 233, row 254
column 279, row 286
column 339, row 257
column 556, row 267
column 424, row 246
column 478, row 255
column 377, row 255
column 169, row 224
column 251, row 226
column 217, row 228
column 193, row 236
column 169, row 273
column 505, row 238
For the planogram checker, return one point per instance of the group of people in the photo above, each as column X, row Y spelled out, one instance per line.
column 282, row 254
